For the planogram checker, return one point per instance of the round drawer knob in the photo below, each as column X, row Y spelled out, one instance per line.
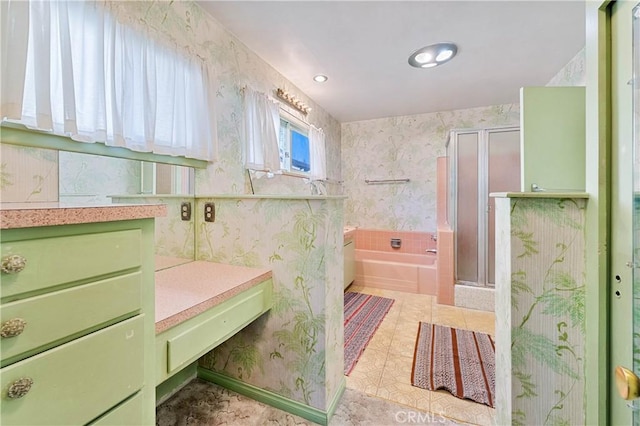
column 12, row 328
column 20, row 388
column 13, row 264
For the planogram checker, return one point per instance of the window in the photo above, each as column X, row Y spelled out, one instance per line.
column 293, row 141
column 73, row 69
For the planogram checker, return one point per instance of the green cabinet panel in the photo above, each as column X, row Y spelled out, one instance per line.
column 186, row 342
column 128, row 413
column 62, row 260
column 62, row 314
column 106, row 364
column 552, row 138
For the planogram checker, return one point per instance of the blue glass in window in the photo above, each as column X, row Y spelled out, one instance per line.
column 300, row 151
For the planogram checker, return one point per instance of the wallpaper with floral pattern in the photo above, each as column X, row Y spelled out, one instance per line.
column 404, row 147
column 296, row 349
column 540, row 315
column 29, row 175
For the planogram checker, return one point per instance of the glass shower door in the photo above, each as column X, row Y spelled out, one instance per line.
column 504, row 176
column 481, row 161
column 466, row 224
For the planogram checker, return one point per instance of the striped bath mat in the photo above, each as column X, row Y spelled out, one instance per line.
column 462, row 362
column 363, row 313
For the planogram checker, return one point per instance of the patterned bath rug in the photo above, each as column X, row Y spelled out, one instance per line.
column 363, row 314
column 462, row 362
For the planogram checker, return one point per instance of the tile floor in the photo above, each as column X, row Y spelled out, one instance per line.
column 384, row 369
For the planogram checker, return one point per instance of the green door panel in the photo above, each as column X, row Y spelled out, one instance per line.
column 61, row 260
column 62, row 314
column 128, row 413
column 76, row 382
column 553, row 137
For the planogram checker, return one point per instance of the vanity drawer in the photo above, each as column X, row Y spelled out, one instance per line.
column 192, row 339
column 65, row 313
column 128, row 413
column 76, row 382
column 60, row 260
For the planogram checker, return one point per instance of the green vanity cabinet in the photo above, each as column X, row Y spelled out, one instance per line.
column 77, row 324
column 183, row 344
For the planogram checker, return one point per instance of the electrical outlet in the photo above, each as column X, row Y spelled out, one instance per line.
column 209, row 212
column 185, row 210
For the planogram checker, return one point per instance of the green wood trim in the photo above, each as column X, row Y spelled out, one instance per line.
column 267, row 397
column 16, row 134
column 597, row 176
column 176, row 382
column 333, row 406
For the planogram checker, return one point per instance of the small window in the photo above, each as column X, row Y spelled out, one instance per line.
column 294, row 146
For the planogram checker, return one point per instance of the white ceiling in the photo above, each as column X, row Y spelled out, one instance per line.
column 363, row 47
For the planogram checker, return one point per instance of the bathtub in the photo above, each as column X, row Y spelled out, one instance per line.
column 408, row 272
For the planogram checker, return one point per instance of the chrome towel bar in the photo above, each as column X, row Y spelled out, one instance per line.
column 373, row 182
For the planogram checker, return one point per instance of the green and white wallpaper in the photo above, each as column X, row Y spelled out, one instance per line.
column 541, row 314
column 404, row 147
column 296, row 349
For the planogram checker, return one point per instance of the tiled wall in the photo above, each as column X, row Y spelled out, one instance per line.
column 380, row 240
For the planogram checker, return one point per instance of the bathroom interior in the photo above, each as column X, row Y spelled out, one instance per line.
column 404, row 212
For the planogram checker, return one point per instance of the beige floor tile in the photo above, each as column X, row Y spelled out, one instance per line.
column 371, row 359
column 404, row 341
column 367, row 383
column 367, row 372
column 447, row 405
column 449, row 316
column 381, row 340
column 397, row 369
column 415, row 314
column 384, row 369
column 484, row 322
column 405, row 394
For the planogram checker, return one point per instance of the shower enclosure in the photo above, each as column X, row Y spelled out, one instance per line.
column 480, row 161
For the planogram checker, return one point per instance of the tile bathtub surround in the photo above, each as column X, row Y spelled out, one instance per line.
column 380, row 240
column 203, row 403
column 384, row 370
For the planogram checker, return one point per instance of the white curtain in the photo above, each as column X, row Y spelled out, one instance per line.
column 261, row 128
column 74, row 69
column 317, row 154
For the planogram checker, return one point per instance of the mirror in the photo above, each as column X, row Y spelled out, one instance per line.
column 94, row 179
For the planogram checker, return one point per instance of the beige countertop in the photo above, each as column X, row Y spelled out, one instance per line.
column 28, row 215
column 187, row 290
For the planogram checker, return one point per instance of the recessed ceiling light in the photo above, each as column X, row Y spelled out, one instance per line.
column 320, row 78
column 433, row 55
